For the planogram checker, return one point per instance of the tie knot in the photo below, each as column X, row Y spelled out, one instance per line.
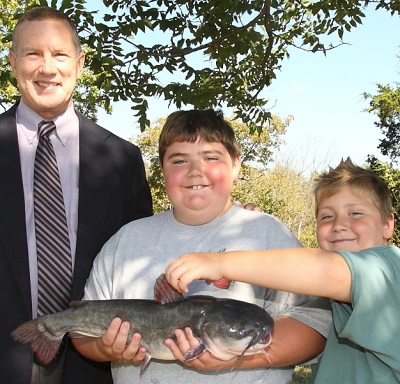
column 45, row 127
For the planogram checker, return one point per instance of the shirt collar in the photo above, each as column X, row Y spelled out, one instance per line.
column 29, row 120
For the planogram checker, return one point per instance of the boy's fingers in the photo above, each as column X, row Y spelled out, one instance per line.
column 111, row 333
column 174, row 347
column 134, row 351
column 119, row 344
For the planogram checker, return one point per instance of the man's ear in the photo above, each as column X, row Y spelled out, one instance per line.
column 81, row 62
column 11, row 59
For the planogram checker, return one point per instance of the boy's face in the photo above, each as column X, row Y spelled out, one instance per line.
column 351, row 222
column 198, row 179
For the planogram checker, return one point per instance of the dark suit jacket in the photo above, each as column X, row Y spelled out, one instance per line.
column 112, row 191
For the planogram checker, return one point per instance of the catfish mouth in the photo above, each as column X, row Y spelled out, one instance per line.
column 266, row 340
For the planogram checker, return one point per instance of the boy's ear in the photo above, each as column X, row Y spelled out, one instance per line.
column 236, row 168
column 388, row 227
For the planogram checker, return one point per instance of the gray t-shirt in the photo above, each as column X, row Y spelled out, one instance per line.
column 131, row 261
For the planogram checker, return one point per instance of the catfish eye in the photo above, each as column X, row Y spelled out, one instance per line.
column 239, row 332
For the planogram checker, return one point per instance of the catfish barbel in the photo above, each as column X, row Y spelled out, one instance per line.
column 225, row 327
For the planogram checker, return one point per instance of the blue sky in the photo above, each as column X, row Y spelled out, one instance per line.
column 323, row 93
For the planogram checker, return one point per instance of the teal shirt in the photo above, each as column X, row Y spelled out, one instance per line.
column 364, row 341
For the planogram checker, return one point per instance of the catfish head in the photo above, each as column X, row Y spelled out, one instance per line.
column 236, row 329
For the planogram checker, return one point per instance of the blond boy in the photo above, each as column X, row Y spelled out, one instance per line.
column 354, row 267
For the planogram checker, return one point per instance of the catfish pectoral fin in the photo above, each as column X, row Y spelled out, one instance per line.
column 42, row 343
column 144, row 364
column 195, row 352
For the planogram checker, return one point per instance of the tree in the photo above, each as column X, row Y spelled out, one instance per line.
column 148, row 143
column 217, row 52
column 386, row 105
column 284, row 193
column 392, row 179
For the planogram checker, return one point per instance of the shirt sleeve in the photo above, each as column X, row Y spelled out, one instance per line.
column 99, row 284
column 372, row 319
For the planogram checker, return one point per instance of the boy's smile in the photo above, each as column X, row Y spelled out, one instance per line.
column 348, row 221
column 198, row 179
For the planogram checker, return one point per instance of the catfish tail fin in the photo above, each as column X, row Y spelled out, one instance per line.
column 42, row 343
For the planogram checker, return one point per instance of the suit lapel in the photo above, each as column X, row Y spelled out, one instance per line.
column 12, row 219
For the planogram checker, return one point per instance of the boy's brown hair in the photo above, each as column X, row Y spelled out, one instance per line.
column 359, row 180
column 190, row 126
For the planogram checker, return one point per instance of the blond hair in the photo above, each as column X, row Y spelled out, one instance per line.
column 359, row 180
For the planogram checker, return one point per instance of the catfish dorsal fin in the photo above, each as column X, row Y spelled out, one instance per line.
column 165, row 293
column 78, row 303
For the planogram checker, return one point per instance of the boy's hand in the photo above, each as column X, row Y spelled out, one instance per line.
column 205, row 362
column 114, row 343
column 248, row 206
column 193, row 266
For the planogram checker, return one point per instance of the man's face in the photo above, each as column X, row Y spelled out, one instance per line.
column 46, row 65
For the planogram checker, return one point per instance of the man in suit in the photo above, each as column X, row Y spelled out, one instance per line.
column 102, row 177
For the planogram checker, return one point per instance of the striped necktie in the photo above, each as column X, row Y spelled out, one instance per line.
column 52, row 239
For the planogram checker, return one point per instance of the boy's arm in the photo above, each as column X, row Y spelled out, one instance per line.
column 293, row 342
column 300, row 270
column 112, row 345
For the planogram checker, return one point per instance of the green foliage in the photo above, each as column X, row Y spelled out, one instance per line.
column 302, row 374
column 280, row 191
column 257, row 147
column 196, row 53
column 148, row 143
column 285, row 194
column 392, row 179
column 386, row 105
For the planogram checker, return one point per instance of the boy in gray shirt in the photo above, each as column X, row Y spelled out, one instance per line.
column 200, row 162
